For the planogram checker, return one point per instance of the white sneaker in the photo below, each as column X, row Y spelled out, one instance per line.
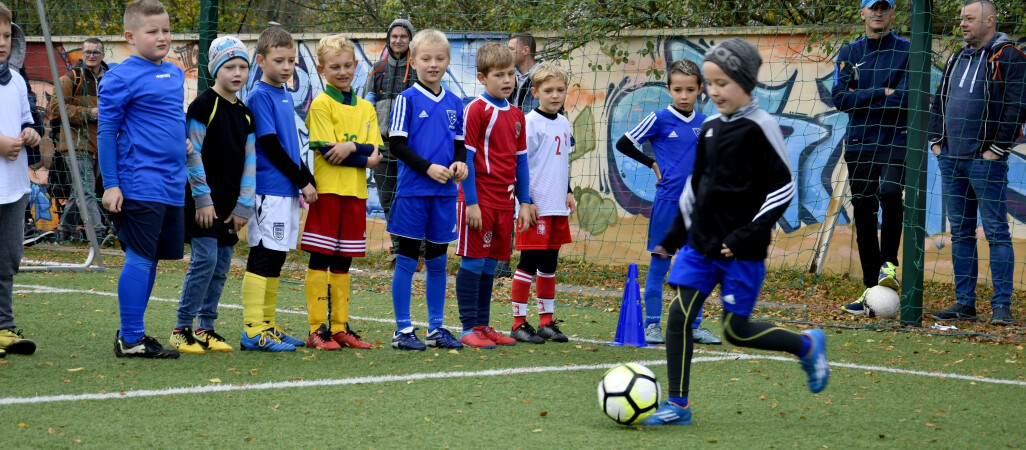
column 654, row 334
column 703, row 335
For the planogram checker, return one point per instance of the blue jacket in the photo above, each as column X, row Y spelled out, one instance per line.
column 1004, row 93
column 869, row 66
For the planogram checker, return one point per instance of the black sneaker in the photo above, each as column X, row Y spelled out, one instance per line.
column 525, row 333
column 551, row 332
column 1002, row 316
column 957, row 311
column 147, row 347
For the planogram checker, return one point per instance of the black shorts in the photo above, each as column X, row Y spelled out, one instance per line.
column 152, row 230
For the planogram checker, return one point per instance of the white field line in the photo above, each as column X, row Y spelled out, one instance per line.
column 214, row 388
column 716, row 356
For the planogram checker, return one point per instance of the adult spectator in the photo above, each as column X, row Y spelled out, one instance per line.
column 79, row 87
column 390, row 76
column 870, row 83
column 525, row 48
column 978, row 111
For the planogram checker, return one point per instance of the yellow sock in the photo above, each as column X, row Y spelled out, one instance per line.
column 339, row 283
column 316, row 298
column 253, row 292
column 270, row 301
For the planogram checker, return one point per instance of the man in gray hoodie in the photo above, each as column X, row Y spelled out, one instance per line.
column 977, row 115
column 391, row 75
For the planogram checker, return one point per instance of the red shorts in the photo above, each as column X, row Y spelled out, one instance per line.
column 550, row 233
column 494, row 238
column 336, row 225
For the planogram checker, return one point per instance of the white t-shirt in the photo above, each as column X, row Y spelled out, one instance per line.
column 549, row 142
column 14, row 181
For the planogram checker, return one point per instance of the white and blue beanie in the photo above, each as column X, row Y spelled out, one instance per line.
column 224, row 49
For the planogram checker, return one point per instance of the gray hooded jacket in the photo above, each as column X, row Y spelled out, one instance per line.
column 390, row 76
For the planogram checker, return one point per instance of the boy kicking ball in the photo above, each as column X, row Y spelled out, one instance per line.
column 740, row 186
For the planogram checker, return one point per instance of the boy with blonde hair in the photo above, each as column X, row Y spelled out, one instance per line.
column 426, row 135
column 345, row 141
column 281, row 178
column 141, row 142
column 496, row 162
column 549, row 142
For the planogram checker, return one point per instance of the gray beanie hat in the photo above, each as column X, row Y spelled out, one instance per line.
column 738, row 59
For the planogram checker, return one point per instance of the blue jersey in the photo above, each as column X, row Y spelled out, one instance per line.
column 674, row 139
column 141, row 131
column 273, row 113
column 431, row 123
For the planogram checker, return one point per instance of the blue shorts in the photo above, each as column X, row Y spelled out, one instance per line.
column 740, row 281
column 152, row 230
column 417, row 218
column 664, row 212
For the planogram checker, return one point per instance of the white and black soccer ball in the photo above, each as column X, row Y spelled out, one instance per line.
column 882, row 301
column 629, row 393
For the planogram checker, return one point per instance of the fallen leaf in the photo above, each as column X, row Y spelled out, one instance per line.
column 544, row 413
column 22, row 425
column 77, row 369
column 215, row 380
column 252, row 371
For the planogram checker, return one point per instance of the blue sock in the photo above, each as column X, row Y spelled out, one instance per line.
column 133, row 295
column 402, row 286
column 484, row 292
column 468, row 281
column 654, row 289
column 806, row 345
column 681, row 401
column 435, row 287
column 698, row 319
column 152, row 280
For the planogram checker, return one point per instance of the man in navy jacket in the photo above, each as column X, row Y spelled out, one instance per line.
column 977, row 115
column 870, row 84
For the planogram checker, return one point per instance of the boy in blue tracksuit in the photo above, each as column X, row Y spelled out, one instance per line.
column 142, row 150
column 870, row 83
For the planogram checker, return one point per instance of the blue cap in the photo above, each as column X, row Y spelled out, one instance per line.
column 866, row 3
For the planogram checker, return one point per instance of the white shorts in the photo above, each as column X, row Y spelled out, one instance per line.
column 275, row 222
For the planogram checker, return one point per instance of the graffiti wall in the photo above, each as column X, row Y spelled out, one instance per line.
column 613, row 192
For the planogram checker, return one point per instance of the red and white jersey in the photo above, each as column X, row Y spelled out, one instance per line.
column 549, row 141
column 496, row 134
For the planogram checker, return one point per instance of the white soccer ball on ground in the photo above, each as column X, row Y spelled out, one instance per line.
column 629, row 393
column 882, row 301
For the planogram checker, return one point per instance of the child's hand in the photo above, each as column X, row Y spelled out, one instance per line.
column 571, row 203
column 659, row 250
column 374, row 159
column 726, row 251
column 459, row 170
column 10, row 147
column 112, row 199
column 474, row 216
column 237, row 222
column 339, row 152
column 205, row 216
column 528, row 216
column 188, row 148
column 659, row 175
column 30, row 137
column 309, row 194
column 439, row 173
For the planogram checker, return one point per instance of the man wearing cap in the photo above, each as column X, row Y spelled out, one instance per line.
column 977, row 115
column 219, row 196
column 391, row 75
column 79, row 87
column 870, row 83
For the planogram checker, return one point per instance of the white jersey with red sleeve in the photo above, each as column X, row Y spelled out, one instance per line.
column 549, row 140
column 496, row 134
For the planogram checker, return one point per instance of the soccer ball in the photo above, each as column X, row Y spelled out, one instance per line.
column 882, row 301
column 629, row 393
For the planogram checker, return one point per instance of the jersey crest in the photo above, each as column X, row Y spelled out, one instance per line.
column 452, row 118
